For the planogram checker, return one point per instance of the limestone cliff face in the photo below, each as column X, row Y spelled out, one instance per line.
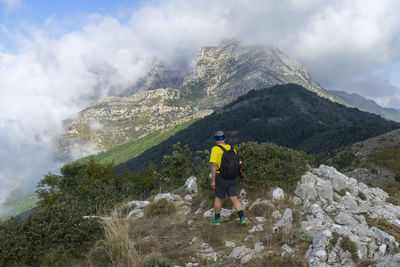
column 233, row 69
column 222, row 73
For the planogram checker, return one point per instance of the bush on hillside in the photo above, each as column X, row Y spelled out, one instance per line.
column 56, row 231
column 176, row 167
column 268, row 165
column 159, row 207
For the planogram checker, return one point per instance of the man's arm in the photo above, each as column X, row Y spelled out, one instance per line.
column 213, row 173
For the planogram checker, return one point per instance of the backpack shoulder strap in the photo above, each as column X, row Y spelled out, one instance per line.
column 223, row 148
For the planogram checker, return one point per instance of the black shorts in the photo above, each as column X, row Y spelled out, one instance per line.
column 225, row 185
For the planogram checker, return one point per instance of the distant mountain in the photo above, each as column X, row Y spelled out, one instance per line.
column 222, row 74
column 288, row 115
column 362, row 103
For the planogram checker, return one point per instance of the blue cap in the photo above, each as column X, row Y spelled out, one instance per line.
column 219, row 136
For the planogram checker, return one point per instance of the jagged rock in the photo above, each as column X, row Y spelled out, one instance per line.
column 243, row 193
column 198, row 211
column 256, row 228
column 286, row 250
column 191, row 185
column 246, row 254
column 389, row 261
column 260, row 219
column 278, row 194
column 175, row 199
column 239, row 252
column 276, row 214
column 261, row 201
column 348, row 213
column 225, row 213
column 205, row 248
column 229, row 244
column 285, row 221
column 306, row 189
column 244, row 203
column 137, row 204
column 296, row 200
column 317, row 221
column 136, row 213
column 324, row 190
column 213, row 256
column 345, row 218
column 188, row 198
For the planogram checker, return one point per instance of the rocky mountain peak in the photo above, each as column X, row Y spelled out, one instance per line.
column 233, row 68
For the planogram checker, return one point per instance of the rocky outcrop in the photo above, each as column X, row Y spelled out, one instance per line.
column 339, row 205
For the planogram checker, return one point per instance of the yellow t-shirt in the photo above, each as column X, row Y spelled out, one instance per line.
column 216, row 154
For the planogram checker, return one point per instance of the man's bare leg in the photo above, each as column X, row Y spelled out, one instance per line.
column 236, row 203
column 217, row 205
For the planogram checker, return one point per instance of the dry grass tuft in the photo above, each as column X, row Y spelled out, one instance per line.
column 116, row 249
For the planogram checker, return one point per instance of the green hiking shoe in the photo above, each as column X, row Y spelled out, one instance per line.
column 215, row 222
column 243, row 221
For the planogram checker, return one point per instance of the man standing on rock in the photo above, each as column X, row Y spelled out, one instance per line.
column 221, row 184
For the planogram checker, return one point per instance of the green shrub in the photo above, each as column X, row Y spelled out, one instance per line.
column 362, row 196
column 274, row 260
column 57, row 230
column 176, row 167
column 397, row 177
column 374, row 171
column 350, row 246
column 261, row 210
column 159, row 207
column 268, row 165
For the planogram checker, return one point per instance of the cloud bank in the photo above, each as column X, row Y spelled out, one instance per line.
column 346, row 45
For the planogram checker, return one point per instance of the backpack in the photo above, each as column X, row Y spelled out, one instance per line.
column 230, row 163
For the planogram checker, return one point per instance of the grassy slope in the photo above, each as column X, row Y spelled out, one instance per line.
column 134, row 148
column 374, row 161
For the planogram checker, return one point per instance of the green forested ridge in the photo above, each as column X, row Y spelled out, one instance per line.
column 287, row 115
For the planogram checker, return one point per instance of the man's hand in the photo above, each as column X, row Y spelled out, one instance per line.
column 213, row 184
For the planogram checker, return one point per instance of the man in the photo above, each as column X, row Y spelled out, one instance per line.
column 223, row 185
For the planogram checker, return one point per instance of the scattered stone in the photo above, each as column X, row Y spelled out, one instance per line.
column 260, row 219
column 239, row 252
column 261, row 201
column 175, row 199
column 278, row 194
column 248, row 238
column 136, row 213
column 230, row 244
column 198, row 211
column 243, row 193
column 256, row 228
column 213, row 256
column 191, row 185
column 225, row 213
column 296, row 200
column 286, row 220
column 188, row 198
column 286, row 250
column 137, row 204
column 276, row 214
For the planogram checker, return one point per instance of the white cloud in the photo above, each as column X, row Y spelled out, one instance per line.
column 12, row 4
column 50, row 78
